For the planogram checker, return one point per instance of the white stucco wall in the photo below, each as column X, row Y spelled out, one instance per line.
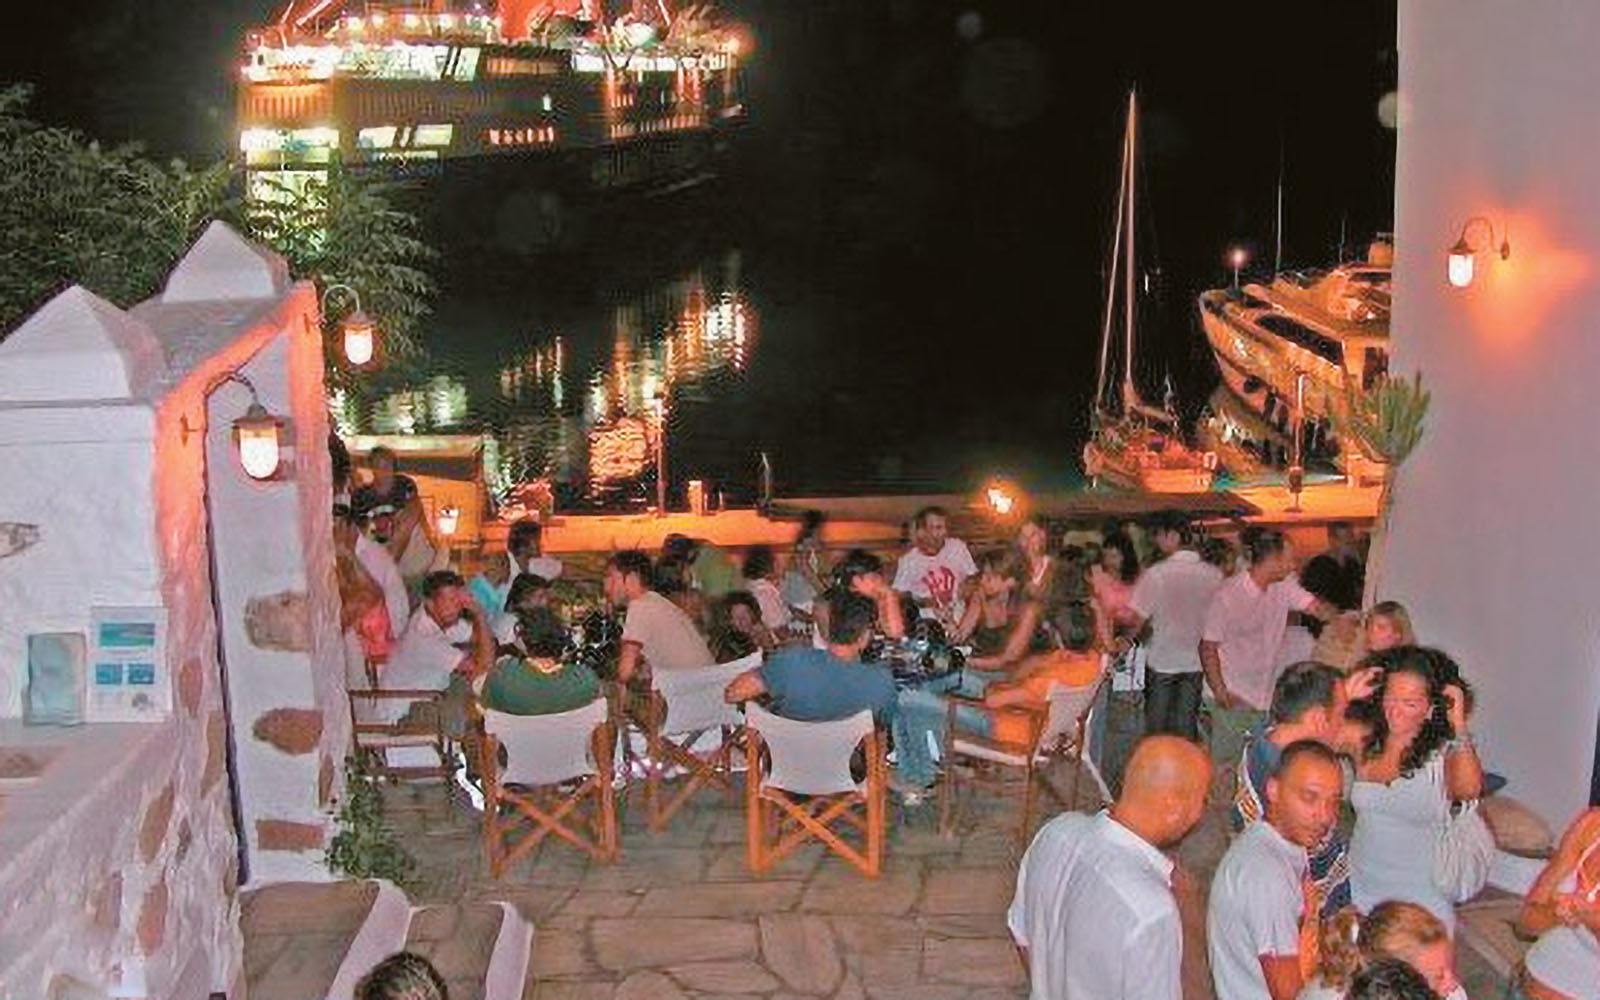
column 1493, row 544
column 121, row 863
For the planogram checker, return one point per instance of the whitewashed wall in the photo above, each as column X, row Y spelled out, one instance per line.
column 1494, row 546
column 130, row 873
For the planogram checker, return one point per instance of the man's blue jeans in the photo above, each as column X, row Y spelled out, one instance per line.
column 919, row 724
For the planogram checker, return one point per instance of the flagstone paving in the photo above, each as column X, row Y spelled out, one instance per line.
column 679, row 916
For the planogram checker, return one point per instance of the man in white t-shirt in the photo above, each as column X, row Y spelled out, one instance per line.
column 448, row 635
column 935, row 570
column 1261, row 909
column 1094, row 913
column 1173, row 596
column 654, row 630
column 1244, row 627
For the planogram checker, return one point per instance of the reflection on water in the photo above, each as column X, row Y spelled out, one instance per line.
column 577, row 407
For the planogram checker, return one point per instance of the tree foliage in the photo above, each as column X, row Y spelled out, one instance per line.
column 72, row 211
column 344, row 228
column 117, row 222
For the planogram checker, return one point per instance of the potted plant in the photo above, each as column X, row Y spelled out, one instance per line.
column 1385, row 421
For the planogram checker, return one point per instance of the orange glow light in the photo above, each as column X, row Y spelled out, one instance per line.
column 1509, row 302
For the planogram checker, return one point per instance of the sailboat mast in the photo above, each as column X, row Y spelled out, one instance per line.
column 1277, row 256
column 1130, row 396
column 1111, row 281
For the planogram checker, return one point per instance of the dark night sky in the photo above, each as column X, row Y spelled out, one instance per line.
column 924, row 181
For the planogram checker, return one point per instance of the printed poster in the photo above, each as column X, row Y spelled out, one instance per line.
column 127, row 677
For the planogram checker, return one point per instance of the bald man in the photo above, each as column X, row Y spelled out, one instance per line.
column 1094, row 915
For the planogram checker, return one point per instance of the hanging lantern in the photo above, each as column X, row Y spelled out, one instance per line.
column 1460, row 269
column 360, row 338
column 448, row 520
column 257, row 435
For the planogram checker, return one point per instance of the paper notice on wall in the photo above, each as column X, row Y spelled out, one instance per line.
column 127, row 678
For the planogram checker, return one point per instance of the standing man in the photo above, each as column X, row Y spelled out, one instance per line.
column 1262, row 920
column 1094, row 915
column 935, row 570
column 1308, row 703
column 1172, row 598
column 1338, row 575
column 654, row 630
column 1239, row 643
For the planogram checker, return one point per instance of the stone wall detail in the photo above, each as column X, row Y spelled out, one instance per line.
column 279, row 621
column 294, row 731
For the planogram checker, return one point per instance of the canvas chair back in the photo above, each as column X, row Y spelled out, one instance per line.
column 546, row 749
column 694, row 697
column 1069, row 708
column 810, row 758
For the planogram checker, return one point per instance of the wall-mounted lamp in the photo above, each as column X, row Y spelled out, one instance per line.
column 359, row 334
column 257, row 433
column 1464, row 253
column 448, row 521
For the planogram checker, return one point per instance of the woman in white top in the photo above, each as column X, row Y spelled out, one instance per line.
column 1563, row 909
column 1418, row 758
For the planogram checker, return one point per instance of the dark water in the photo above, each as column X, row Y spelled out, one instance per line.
column 897, row 283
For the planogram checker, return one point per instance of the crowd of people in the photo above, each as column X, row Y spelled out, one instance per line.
column 1229, row 674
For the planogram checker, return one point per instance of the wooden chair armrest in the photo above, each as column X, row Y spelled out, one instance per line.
column 410, row 694
column 1003, row 746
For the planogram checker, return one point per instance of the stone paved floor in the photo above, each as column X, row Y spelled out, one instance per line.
column 680, row 916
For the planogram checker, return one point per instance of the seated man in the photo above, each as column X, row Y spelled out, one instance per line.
column 655, row 631
column 528, row 591
column 1009, row 706
column 536, row 680
column 936, row 569
column 737, row 630
column 1308, row 703
column 861, row 572
column 448, row 636
column 822, row 685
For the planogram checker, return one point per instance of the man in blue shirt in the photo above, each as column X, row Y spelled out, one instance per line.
column 822, row 685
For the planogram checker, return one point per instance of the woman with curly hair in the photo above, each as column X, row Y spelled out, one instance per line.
column 1418, row 758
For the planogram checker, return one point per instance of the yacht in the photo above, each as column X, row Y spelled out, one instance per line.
column 1287, row 350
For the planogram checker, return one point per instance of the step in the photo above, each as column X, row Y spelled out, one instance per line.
column 481, row 949
column 319, row 939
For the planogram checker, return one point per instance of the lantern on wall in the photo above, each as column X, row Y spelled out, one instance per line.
column 360, row 338
column 448, row 521
column 358, row 332
column 257, row 435
column 1462, row 257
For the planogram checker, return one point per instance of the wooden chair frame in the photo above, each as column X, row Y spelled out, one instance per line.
column 1033, row 756
column 539, row 811
column 648, row 711
column 792, row 820
column 374, row 738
